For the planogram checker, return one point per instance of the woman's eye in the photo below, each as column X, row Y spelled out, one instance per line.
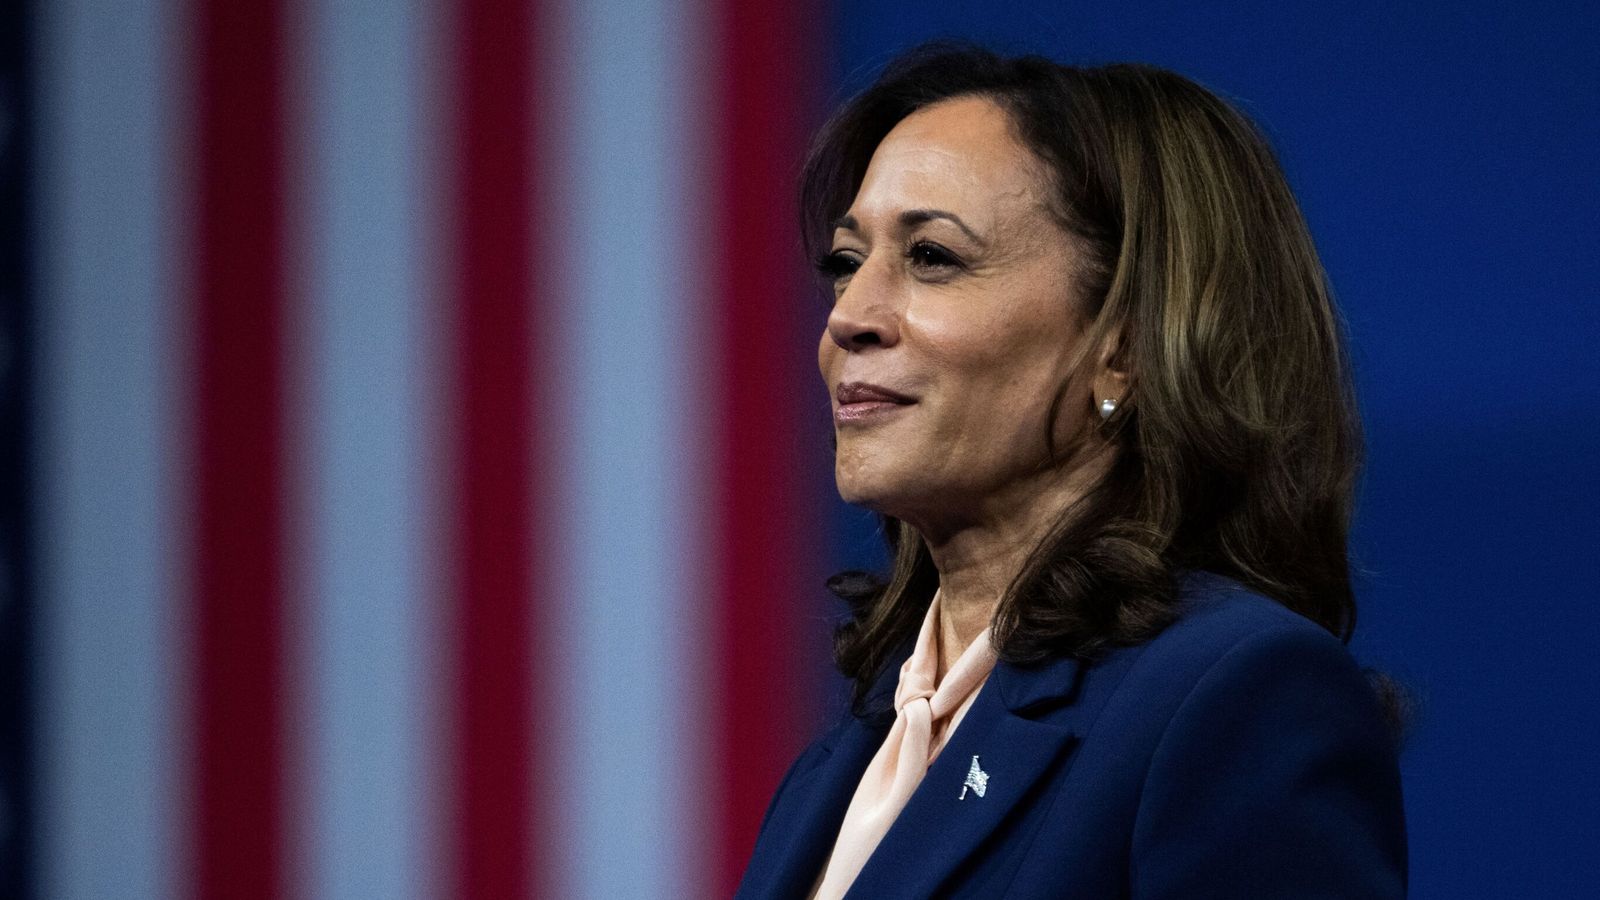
column 930, row 255
column 837, row 264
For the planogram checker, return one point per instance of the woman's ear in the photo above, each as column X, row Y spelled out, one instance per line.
column 1111, row 377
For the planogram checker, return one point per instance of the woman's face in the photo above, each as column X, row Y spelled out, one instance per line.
column 954, row 324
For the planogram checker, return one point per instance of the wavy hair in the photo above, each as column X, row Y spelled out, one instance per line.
column 1237, row 444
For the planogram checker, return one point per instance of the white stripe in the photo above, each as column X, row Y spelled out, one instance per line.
column 363, row 799
column 629, row 777
column 111, row 708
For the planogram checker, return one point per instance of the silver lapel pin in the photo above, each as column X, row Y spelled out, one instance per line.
column 977, row 779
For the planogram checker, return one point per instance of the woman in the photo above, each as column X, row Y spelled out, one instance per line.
column 1084, row 361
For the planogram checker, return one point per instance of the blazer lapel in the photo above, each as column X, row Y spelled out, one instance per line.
column 1016, row 741
column 806, row 826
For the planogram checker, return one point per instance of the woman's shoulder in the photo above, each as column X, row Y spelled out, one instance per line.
column 1218, row 617
column 1227, row 641
column 1217, row 608
column 1269, row 737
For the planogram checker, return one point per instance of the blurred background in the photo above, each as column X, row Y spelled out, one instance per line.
column 416, row 480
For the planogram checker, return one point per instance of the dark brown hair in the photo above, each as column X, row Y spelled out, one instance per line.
column 1237, row 444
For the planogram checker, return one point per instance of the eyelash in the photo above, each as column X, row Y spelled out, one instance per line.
column 836, row 265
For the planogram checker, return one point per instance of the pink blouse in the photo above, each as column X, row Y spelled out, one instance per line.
column 926, row 714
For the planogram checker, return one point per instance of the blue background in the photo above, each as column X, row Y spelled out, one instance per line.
column 1445, row 156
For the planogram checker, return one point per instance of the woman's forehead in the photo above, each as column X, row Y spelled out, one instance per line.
column 961, row 155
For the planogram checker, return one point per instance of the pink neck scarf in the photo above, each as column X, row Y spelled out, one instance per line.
column 925, row 716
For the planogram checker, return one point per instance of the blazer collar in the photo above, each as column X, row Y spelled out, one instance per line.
column 1018, row 730
column 1019, row 726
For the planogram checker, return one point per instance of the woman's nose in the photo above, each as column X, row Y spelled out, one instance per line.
column 863, row 317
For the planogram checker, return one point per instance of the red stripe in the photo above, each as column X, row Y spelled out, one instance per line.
column 768, row 79
column 238, row 571
column 493, row 435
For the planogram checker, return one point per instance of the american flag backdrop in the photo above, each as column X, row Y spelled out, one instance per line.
column 431, row 472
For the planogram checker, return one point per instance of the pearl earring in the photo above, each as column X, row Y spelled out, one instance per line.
column 1107, row 407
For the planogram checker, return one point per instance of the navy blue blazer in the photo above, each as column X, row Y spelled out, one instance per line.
column 1239, row 754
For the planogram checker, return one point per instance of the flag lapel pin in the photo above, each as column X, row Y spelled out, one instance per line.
column 977, row 780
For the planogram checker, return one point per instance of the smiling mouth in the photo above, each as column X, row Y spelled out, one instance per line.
column 861, row 402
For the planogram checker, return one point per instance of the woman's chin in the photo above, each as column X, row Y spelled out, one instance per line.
column 859, row 491
column 858, row 497
column 886, row 496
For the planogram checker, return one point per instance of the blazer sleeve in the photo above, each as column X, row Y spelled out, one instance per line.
column 1276, row 777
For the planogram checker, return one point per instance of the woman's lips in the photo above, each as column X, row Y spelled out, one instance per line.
column 865, row 411
column 863, row 402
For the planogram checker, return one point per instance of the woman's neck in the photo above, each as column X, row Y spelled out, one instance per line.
column 978, row 560
column 974, row 571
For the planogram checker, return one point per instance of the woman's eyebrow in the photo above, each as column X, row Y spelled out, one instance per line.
column 911, row 218
column 914, row 217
